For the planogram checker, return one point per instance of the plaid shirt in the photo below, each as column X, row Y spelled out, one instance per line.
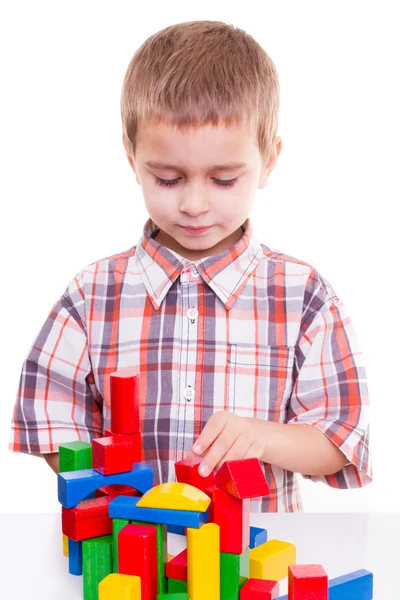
column 249, row 330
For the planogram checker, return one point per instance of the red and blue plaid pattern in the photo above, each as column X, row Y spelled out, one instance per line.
column 249, row 330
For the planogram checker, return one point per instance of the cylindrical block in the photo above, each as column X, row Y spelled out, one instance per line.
column 125, row 401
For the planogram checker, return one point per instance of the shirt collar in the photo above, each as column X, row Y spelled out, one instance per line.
column 226, row 273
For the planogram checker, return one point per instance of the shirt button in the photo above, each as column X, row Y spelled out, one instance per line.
column 192, row 313
column 188, row 393
column 194, row 273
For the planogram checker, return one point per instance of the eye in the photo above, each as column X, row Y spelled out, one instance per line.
column 173, row 182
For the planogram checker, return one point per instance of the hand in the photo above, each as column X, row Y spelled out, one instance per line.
column 226, row 436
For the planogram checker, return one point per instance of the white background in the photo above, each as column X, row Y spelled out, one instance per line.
column 69, row 197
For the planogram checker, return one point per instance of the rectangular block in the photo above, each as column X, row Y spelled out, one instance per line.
column 125, row 401
column 116, row 490
column 187, row 471
column 97, row 564
column 271, row 560
column 258, row 536
column 114, row 454
column 234, row 567
column 259, row 589
column 88, row 519
column 175, row 586
column 124, row 507
column 74, row 456
column 177, row 567
column 118, row 524
column 137, row 555
column 307, row 581
column 357, row 585
column 203, row 562
column 233, row 517
column 65, row 544
column 178, row 529
column 120, row 587
column 162, row 555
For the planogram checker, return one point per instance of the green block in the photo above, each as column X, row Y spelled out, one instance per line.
column 74, row 456
column 162, row 555
column 235, row 570
column 175, row 586
column 118, row 524
column 173, row 597
column 97, row 563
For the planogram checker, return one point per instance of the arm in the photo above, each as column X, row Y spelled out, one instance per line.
column 301, row 449
column 52, row 460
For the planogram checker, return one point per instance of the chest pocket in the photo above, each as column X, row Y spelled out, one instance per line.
column 260, row 380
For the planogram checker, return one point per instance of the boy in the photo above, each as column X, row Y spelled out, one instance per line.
column 243, row 351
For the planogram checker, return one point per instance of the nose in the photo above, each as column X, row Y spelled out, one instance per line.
column 194, row 203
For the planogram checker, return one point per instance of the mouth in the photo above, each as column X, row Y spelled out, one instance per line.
column 196, row 229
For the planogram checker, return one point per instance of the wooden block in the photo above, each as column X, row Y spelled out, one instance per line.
column 177, row 567
column 203, row 562
column 118, row 524
column 87, row 520
column 124, row 507
column 243, row 478
column 120, row 587
column 73, row 486
column 187, row 471
column 178, row 529
column 259, row 589
column 113, row 454
column 271, row 560
column 170, row 556
column 97, row 564
column 125, row 401
column 258, row 536
column 307, row 581
column 233, row 517
column 137, row 555
column 162, row 556
column 117, row 490
column 74, row 456
column 235, row 569
column 357, row 585
column 65, row 544
column 175, row 586
column 74, row 557
column 175, row 496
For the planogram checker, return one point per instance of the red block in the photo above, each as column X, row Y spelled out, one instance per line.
column 116, row 489
column 88, row 519
column 243, row 478
column 177, row 567
column 187, row 471
column 114, row 454
column 137, row 555
column 125, row 402
column 233, row 517
column 307, row 581
column 259, row 589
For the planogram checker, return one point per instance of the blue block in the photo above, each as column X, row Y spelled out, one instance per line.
column 257, row 537
column 176, row 529
column 74, row 486
column 357, row 585
column 124, row 507
column 74, row 557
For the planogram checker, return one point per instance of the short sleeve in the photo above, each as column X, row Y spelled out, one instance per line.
column 330, row 391
column 57, row 400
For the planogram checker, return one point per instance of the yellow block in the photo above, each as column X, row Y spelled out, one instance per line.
column 120, row 587
column 65, row 544
column 203, row 562
column 271, row 560
column 175, row 496
column 170, row 556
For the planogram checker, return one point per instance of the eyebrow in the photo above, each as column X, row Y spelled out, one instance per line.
column 227, row 167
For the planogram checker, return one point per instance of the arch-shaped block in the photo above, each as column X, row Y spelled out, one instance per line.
column 74, row 486
column 175, row 496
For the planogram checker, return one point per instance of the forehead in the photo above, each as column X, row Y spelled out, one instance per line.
column 205, row 146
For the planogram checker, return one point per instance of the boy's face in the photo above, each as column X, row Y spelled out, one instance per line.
column 199, row 195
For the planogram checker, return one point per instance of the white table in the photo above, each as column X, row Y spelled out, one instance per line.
column 33, row 566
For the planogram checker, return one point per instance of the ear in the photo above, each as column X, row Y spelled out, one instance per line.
column 271, row 162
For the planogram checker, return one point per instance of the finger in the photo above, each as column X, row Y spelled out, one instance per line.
column 191, row 456
column 238, row 450
column 218, row 449
column 211, row 431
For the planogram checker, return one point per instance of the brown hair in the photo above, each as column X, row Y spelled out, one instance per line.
column 197, row 73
